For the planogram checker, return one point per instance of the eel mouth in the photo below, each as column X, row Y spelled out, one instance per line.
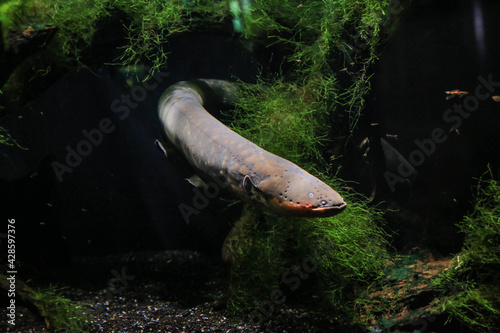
column 329, row 211
column 308, row 210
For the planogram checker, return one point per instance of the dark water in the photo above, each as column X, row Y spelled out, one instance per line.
column 439, row 47
column 124, row 195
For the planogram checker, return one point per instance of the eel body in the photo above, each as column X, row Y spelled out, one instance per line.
column 220, row 156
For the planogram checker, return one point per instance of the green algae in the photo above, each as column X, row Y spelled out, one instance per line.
column 60, row 313
column 323, row 36
column 8, row 140
column 147, row 27
column 285, row 119
column 472, row 286
column 7, row 12
column 323, row 261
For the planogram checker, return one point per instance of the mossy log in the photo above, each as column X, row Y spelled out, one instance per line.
column 23, row 43
column 24, row 293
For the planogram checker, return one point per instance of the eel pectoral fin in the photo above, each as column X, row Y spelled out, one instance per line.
column 184, row 168
column 195, row 180
column 180, row 165
column 160, row 146
column 248, row 186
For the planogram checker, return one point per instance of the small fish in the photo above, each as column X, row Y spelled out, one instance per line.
column 364, row 142
column 453, row 93
column 496, row 98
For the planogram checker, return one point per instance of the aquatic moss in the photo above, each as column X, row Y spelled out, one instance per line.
column 7, row 139
column 59, row 312
column 19, row 15
column 147, row 24
column 136, row 33
column 7, row 13
column 293, row 115
column 325, row 37
column 324, row 262
column 482, row 227
column 150, row 24
column 153, row 22
column 285, row 119
column 348, row 250
column 472, row 286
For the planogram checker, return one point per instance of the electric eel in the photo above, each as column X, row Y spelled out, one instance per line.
column 226, row 160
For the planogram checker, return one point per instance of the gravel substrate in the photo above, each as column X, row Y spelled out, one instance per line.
column 172, row 291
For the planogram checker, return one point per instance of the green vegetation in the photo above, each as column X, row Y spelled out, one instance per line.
column 138, row 29
column 324, row 37
column 150, row 23
column 472, row 286
column 6, row 12
column 285, row 119
column 59, row 312
column 330, row 258
column 146, row 25
column 7, row 139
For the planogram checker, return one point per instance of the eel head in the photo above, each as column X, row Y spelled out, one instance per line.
column 295, row 194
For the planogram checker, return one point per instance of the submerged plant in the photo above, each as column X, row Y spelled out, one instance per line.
column 324, row 261
column 293, row 116
column 472, row 286
column 328, row 257
column 285, row 119
column 59, row 312
column 325, row 37
column 7, row 139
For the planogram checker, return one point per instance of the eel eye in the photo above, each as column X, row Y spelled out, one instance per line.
column 311, row 195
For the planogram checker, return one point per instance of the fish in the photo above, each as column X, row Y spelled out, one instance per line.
column 495, row 98
column 453, row 93
column 216, row 154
